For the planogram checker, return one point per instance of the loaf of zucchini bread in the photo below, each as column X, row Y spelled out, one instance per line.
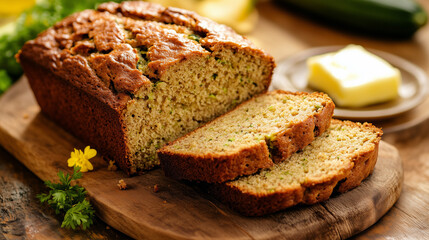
column 129, row 77
column 265, row 129
column 338, row 160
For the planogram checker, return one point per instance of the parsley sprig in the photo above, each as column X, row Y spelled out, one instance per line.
column 69, row 200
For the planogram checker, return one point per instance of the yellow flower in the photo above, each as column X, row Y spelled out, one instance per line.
column 81, row 159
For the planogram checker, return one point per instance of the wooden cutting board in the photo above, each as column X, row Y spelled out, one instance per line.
column 179, row 210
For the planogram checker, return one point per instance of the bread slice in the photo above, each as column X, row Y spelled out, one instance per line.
column 131, row 76
column 240, row 142
column 338, row 160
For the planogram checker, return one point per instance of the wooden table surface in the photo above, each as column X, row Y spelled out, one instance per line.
column 282, row 33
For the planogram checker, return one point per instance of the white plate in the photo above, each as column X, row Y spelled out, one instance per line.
column 291, row 74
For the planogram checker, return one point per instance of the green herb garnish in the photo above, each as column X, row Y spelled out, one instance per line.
column 69, row 200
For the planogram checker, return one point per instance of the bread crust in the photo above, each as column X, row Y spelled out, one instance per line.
column 64, row 51
column 250, row 204
column 217, row 168
column 91, row 120
column 303, row 133
column 214, row 167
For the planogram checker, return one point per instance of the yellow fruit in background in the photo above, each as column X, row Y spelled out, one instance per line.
column 226, row 10
column 246, row 25
column 7, row 27
column 10, row 8
column 238, row 14
column 185, row 4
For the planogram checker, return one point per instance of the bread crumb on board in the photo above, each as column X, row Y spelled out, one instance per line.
column 156, row 188
column 122, row 185
column 112, row 166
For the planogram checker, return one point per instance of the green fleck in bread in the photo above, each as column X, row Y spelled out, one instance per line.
column 339, row 159
column 240, row 142
column 129, row 77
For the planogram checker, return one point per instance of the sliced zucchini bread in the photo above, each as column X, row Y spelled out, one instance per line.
column 263, row 130
column 339, row 159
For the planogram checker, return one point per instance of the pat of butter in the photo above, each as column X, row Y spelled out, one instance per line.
column 354, row 77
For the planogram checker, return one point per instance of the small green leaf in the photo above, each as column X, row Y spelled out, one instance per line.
column 80, row 214
column 43, row 197
column 59, row 196
column 77, row 174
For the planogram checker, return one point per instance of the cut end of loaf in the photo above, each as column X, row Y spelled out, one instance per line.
column 188, row 95
column 338, row 159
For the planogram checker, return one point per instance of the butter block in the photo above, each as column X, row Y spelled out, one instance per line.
column 354, row 77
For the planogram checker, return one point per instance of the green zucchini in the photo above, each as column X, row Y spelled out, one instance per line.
column 390, row 18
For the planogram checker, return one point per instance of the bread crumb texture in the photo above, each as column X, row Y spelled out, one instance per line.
column 187, row 96
column 260, row 119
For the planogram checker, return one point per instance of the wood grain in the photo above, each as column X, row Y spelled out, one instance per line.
column 183, row 211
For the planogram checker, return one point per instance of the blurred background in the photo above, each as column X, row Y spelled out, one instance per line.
column 22, row 20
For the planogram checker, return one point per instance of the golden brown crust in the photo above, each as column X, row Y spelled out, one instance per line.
column 212, row 32
column 251, row 204
column 216, row 168
column 87, row 120
column 303, row 133
column 101, row 45
column 363, row 164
